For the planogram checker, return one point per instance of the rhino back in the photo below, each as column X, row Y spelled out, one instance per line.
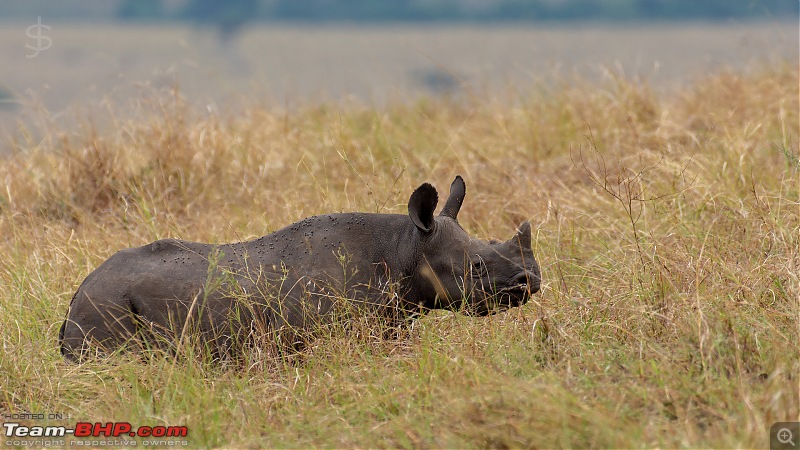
column 346, row 250
column 347, row 255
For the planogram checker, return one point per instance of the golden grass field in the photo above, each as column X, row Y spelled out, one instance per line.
column 667, row 228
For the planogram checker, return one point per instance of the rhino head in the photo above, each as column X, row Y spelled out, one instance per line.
column 467, row 274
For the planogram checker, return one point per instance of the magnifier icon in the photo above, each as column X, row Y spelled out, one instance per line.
column 785, row 436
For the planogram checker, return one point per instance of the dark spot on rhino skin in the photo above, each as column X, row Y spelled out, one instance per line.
column 397, row 265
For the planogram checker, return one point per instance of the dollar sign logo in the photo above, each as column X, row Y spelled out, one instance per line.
column 35, row 32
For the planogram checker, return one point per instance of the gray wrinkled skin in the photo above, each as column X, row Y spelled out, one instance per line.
column 313, row 271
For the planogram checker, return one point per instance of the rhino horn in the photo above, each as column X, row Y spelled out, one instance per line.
column 421, row 206
column 523, row 236
column 457, row 192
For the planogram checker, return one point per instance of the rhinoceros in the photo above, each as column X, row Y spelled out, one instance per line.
column 394, row 265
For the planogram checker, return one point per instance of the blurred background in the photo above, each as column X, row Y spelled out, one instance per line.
column 94, row 58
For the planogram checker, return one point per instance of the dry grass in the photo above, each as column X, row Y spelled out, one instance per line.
column 668, row 231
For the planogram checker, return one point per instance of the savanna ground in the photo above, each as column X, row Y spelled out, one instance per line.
column 667, row 228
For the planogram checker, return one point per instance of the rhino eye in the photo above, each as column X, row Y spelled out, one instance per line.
column 477, row 263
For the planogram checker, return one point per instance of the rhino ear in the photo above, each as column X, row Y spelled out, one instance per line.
column 421, row 206
column 457, row 192
column 523, row 236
